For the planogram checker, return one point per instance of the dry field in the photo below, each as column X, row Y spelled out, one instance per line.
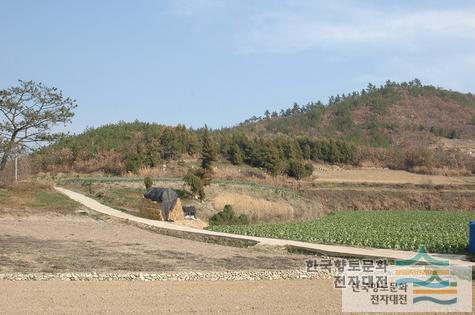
column 35, row 238
column 49, row 243
column 327, row 174
column 41, row 231
column 203, row 297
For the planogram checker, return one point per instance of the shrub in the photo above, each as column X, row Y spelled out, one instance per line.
column 148, row 182
column 447, row 133
column 133, row 162
column 298, row 169
column 88, row 185
column 235, row 155
column 419, row 158
column 197, row 181
column 228, row 217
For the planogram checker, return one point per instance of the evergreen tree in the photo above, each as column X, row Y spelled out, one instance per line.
column 267, row 114
column 306, row 151
column 298, row 169
column 208, row 150
column 197, row 181
column 271, row 160
column 170, row 144
column 295, row 108
column 235, row 155
column 152, row 149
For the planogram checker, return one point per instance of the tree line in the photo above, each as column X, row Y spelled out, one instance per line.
column 139, row 145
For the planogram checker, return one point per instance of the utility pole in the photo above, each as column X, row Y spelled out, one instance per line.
column 16, row 169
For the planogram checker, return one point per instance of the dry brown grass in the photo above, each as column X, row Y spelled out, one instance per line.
column 169, row 169
column 150, row 212
column 260, row 206
column 257, row 209
column 150, row 172
column 32, row 197
column 386, row 176
column 230, row 172
column 25, row 170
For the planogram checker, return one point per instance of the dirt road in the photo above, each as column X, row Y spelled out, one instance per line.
column 260, row 297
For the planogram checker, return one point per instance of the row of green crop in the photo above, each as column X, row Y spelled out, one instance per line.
column 439, row 231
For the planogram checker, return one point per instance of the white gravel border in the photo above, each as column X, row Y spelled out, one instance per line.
column 180, row 276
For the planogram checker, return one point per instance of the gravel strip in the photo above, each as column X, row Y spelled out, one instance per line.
column 182, row 276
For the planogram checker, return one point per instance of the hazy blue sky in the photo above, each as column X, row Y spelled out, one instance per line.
column 220, row 62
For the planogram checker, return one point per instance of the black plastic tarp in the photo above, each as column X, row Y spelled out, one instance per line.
column 167, row 198
column 189, row 210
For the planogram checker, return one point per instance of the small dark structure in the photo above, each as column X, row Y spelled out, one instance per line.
column 471, row 239
column 167, row 198
column 190, row 211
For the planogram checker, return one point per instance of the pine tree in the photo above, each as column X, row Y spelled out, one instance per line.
column 267, row 114
column 208, row 150
column 235, row 155
column 306, row 151
column 295, row 108
column 270, row 159
column 298, row 169
column 152, row 149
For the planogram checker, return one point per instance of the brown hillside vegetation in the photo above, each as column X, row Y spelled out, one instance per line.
column 406, row 115
column 403, row 126
column 416, row 115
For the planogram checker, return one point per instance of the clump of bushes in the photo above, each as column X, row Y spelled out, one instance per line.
column 148, row 182
column 447, row 133
column 299, row 170
column 228, row 217
column 197, row 180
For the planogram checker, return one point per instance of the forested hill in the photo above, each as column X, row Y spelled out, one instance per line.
column 398, row 125
column 396, row 114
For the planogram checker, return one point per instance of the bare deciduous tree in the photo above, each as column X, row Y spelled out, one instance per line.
column 28, row 113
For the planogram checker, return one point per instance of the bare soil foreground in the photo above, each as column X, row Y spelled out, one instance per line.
column 202, row 297
column 41, row 232
column 74, row 243
column 228, row 297
column 77, row 240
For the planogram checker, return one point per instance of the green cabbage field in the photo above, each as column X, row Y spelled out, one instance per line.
column 439, row 231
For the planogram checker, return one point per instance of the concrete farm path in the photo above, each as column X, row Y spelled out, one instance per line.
column 188, row 232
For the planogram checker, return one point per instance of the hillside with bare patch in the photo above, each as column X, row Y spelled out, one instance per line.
column 394, row 115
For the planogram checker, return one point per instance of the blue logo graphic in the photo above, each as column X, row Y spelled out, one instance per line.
column 437, row 288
